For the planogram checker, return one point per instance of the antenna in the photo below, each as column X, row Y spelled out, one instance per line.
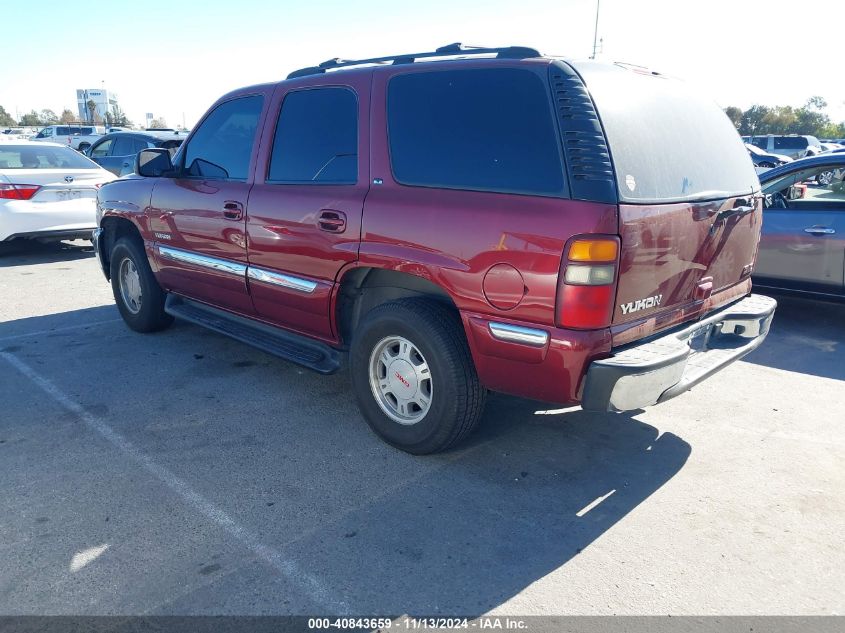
column 596, row 31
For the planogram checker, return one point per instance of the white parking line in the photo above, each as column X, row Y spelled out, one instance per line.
column 288, row 568
column 67, row 328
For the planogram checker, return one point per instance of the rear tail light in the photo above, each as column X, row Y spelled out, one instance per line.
column 17, row 192
column 588, row 282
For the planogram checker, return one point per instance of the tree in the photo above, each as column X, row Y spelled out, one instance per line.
column 92, row 109
column 48, row 117
column 31, row 119
column 158, row 122
column 735, row 115
column 118, row 117
column 67, row 116
column 6, row 118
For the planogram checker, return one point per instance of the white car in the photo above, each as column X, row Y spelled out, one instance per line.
column 48, row 192
column 76, row 136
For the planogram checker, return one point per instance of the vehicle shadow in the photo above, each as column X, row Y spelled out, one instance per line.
column 28, row 252
column 460, row 532
column 807, row 336
column 524, row 496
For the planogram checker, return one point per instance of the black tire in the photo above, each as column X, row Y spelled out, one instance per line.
column 457, row 397
column 766, row 164
column 83, row 147
column 149, row 314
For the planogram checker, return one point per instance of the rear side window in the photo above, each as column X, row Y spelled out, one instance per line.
column 124, row 146
column 316, row 138
column 63, row 131
column 222, row 145
column 790, row 142
column 483, row 130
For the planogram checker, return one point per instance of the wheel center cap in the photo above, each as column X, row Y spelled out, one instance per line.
column 403, row 379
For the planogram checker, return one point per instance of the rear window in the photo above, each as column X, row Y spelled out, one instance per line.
column 483, row 130
column 669, row 142
column 42, row 157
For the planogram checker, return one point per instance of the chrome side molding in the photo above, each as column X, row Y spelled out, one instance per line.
column 188, row 257
column 239, row 270
column 280, row 279
column 518, row 334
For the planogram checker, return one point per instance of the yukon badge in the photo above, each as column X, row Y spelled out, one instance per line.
column 641, row 304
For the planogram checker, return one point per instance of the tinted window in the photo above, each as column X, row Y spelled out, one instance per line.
column 669, row 141
column 102, row 149
column 316, row 138
column 124, row 146
column 761, row 142
column 222, row 146
column 790, row 142
column 63, row 131
column 38, row 156
column 86, row 130
column 488, row 130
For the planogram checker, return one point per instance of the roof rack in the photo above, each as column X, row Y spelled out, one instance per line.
column 450, row 50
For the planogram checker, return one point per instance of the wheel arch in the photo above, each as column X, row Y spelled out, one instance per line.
column 363, row 288
column 115, row 227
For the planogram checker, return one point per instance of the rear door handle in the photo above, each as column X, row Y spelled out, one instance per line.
column 332, row 221
column 819, row 230
column 233, row 210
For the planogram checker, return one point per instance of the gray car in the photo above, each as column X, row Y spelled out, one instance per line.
column 116, row 151
column 802, row 248
column 792, row 145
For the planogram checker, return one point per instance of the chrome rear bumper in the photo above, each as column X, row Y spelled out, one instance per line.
column 643, row 374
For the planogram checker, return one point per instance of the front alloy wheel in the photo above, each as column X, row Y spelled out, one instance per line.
column 130, row 286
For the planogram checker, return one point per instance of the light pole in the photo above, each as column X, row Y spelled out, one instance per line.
column 596, row 31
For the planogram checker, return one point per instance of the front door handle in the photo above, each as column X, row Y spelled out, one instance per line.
column 819, row 230
column 332, row 221
column 233, row 210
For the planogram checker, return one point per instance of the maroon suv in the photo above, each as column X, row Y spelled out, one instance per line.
column 452, row 222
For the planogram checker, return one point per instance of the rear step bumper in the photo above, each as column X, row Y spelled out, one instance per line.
column 643, row 374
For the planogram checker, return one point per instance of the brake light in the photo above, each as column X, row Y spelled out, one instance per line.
column 17, row 192
column 588, row 283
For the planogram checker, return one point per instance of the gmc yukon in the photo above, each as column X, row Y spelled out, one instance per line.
column 452, row 222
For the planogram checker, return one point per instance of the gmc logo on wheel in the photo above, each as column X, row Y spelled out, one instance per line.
column 641, row 304
column 402, row 379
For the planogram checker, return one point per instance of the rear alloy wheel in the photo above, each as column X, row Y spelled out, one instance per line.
column 139, row 298
column 413, row 376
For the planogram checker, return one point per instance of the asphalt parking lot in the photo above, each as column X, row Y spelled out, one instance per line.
column 184, row 473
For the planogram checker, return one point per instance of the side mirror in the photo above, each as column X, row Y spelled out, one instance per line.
column 153, row 163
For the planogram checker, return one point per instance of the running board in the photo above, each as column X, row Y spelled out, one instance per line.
column 291, row 347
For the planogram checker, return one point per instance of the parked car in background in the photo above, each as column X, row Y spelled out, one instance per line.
column 19, row 133
column 116, row 151
column 495, row 220
column 792, row 145
column 830, row 146
column 76, row 136
column 802, row 248
column 47, row 192
column 765, row 159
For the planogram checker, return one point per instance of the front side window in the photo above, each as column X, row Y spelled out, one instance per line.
column 222, row 146
column 45, row 133
column 102, row 149
column 316, row 138
column 483, row 130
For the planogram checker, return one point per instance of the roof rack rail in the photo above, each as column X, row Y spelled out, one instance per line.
column 450, row 50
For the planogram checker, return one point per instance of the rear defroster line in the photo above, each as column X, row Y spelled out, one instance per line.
column 315, row 589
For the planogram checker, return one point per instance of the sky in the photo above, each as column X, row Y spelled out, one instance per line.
column 175, row 58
